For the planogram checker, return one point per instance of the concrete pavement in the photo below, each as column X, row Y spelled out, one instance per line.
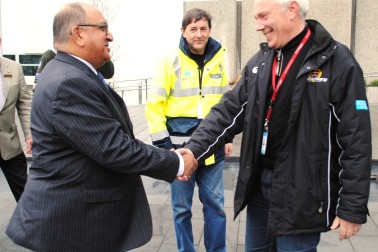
column 158, row 193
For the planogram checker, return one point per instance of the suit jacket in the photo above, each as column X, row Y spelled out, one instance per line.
column 84, row 191
column 18, row 97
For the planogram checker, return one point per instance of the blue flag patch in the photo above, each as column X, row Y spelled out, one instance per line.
column 361, row 105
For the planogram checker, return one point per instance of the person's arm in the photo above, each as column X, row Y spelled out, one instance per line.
column 351, row 110
column 83, row 118
column 23, row 106
column 155, row 105
column 228, row 148
column 29, row 143
column 224, row 121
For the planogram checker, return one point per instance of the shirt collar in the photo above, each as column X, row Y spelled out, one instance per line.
column 86, row 63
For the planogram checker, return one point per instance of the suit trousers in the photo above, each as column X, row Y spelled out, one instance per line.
column 15, row 171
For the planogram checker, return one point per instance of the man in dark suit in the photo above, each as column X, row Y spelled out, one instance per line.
column 84, row 191
column 14, row 96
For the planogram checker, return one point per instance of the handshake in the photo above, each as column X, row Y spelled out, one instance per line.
column 190, row 164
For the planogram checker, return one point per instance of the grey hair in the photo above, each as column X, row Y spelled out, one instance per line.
column 304, row 6
column 70, row 15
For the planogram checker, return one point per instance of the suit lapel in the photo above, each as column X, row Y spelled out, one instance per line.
column 125, row 113
column 117, row 105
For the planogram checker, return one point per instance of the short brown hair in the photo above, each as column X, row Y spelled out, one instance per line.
column 195, row 15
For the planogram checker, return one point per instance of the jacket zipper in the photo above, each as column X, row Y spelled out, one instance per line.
column 200, row 74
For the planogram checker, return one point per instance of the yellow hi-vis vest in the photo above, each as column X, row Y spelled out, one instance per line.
column 176, row 93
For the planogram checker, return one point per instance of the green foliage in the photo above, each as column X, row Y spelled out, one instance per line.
column 373, row 83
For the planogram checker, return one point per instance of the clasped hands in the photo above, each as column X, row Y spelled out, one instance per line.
column 190, row 164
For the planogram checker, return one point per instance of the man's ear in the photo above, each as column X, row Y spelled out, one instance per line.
column 76, row 36
column 294, row 8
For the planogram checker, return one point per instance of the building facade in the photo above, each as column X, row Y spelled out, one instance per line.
column 349, row 21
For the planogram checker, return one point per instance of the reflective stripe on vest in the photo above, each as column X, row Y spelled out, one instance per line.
column 159, row 135
column 179, row 140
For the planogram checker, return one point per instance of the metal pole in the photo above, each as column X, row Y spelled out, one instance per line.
column 140, row 92
column 1, row 32
column 353, row 27
column 145, row 81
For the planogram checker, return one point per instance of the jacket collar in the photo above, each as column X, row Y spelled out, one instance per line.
column 6, row 73
column 212, row 48
column 65, row 57
column 116, row 103
column 5, row 68
column 322, row 38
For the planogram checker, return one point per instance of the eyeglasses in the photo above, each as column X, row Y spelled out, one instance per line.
column 102, row 27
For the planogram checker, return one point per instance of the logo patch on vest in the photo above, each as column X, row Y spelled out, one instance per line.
column 215, row 76
column 315, row 76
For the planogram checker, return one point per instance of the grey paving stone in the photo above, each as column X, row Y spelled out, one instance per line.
column 365, row 244
column 170, row 238
column 158, row 193
column 153, row 245
column 160, row 228
column 240, row 248
column 158, row 199
column 329, row 241
column 374, row 218
column 168, row 248
column 232, row 238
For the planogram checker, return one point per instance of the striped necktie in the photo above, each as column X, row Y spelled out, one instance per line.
column 99, row 75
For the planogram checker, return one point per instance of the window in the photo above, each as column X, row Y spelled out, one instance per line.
column 29, row 62
column 30, row 70
column 10, row 56
column 29, row 59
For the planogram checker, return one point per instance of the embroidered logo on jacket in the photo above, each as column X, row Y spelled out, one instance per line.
column 215, row 76
column 188, row 77
column 315, row 76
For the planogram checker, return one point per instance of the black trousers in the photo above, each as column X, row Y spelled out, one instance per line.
column 15, row 171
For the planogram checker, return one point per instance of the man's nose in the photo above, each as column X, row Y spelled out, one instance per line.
column 259, row 26
column 109, row 36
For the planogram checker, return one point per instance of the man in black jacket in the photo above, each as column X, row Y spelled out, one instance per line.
column 306, row 150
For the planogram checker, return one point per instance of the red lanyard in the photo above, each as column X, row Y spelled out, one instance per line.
column 277, row 86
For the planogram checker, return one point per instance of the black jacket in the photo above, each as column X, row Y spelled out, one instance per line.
column 323, row 166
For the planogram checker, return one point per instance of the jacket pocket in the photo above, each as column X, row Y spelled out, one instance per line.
column 97, row 195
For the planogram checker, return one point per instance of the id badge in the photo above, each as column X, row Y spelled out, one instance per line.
column 264, row 142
